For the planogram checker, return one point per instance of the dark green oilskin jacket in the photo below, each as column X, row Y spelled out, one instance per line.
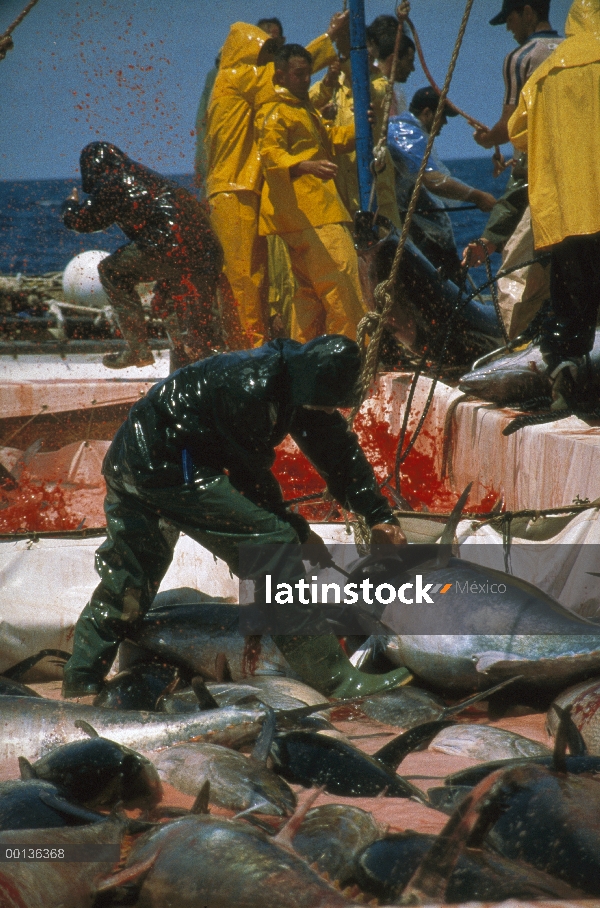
column 229, row 412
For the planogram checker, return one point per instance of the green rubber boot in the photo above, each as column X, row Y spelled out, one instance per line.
column 322, row 663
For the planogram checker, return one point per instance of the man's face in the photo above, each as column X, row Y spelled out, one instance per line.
column 405, row 65
column 517, row 23
column 427, row 116
column 296, row 77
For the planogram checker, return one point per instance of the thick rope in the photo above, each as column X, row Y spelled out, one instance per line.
column 498, row 158
column 6, row 42
column 374, row 322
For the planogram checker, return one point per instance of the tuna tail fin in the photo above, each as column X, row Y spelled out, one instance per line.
column 134, row 874
column 393, row 753
column 482, row 695
column 567, row 735
column 26, row 770
column 200, row 805
column 447, row 537
column 262, row 746
column 87, row 728
column 204, row 697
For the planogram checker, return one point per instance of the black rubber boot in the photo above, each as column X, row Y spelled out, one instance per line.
column 94, row 651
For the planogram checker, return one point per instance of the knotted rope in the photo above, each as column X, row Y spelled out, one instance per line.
column 6, row 42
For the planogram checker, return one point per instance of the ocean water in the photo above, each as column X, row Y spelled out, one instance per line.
column 34, row 241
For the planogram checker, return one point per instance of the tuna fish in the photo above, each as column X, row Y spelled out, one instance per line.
column 385, row 868
column 545, row 662
column 518, row 378
column 584, row 700
column 39, row 805
column 70, row 884
column 98, row 774
column 33, row 727
column 215, row 863
column 484, row 742
column 136, row 688
column 312, row 760
column 331, row 837
column 202, row 638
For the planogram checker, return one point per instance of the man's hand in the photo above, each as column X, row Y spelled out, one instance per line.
column 339, row 21
column 74, row 196
column 323, row 556
column 485, row 201
column 484, row 137
column 474, row 253
column 387, row 533
column 332, row 76
column 324, row 170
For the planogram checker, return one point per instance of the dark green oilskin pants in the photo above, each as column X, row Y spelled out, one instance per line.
column 141, row 534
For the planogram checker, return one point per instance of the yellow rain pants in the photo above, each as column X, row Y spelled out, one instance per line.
column 328, row 298
column 234, row 218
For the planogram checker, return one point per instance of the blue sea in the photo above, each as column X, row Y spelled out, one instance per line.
column 33, row 240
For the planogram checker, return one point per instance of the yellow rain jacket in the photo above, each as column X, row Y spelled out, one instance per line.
column 291, row 131
column 557, row 121
column 240, row 87
column 347, row 176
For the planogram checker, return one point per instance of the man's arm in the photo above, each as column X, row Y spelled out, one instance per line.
column 448, row 188
column 88, row 217
column 498, row 134
column 335, row 452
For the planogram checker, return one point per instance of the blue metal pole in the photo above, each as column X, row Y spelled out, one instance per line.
column 359, row 62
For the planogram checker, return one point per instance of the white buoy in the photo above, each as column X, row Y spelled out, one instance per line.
column 81, row 281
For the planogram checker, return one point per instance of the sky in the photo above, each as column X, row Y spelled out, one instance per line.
column 132, row 71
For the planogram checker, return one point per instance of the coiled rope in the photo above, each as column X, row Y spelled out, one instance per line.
column 6, row 42
column 374, row 322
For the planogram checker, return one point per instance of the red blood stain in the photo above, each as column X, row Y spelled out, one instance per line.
column 421, row 484
column 35, row 506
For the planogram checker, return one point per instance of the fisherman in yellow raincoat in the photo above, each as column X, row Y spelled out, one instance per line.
column 300, row 202
column 557, row 122
column 244, row 81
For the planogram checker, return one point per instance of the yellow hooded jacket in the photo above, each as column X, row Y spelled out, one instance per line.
column 292, row 131
column 240, row 87
column 557, row 121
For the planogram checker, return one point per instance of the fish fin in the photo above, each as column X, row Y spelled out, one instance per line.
column 222, row 670
column 204, row 697
column 254, row 808
column 61, row 805
column 567, row 735
column 84, row 726
column 262, row 746
column 287, row 832
column 483, row 695
column 300, row 711
column 392, row 754
column 26, row 770
column 485, row 661
column 16, row 672
column 134, row 874
column 200, row 805
column 171, row 687
column 447, row 537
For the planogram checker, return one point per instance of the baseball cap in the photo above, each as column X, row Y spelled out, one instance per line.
column 508, row 6
column 428, row 97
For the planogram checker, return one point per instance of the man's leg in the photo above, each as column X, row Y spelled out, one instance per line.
column 325, row 258
column 567, row 336
column 234, row 218
column 119, row 275
column 131, row 564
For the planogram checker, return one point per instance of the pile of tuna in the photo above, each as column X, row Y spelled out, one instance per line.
column 524, row 826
